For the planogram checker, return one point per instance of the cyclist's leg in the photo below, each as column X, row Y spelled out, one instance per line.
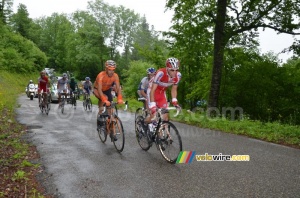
column 162, row 102
column 59, row 97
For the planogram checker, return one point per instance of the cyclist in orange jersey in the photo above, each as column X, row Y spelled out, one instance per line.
column 103, row 84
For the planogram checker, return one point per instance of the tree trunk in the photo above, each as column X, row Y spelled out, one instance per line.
column 219, row 45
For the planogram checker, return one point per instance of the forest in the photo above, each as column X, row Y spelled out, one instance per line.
column 216, row 42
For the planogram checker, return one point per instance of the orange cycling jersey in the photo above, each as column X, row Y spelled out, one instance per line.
column 105, row 80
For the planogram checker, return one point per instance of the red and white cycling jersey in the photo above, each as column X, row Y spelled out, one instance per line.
column 43, row 83
column 163, row 81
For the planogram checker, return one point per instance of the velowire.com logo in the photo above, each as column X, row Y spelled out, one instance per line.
column 186, row 157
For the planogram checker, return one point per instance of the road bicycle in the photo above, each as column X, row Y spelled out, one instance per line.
column 45, row 105
column 163, row 133
column 63, row 102
column 87, row 102
column 74, row 99
column 111, row 125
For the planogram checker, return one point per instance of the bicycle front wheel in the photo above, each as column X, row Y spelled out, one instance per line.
column 117, row 127
column 141, row 133
column 102, row 132
column 169, row 142
column 47, row 108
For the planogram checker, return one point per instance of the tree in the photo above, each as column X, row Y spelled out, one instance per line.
column 236, row 23
column 5, row 10
column 21, row 22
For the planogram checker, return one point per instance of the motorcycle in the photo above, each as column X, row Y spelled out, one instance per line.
column 31, row 91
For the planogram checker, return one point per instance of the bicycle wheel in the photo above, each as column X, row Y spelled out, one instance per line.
column 169, row 142
column 47, row 109
column 141, row 134
column 85, row 105
column 102, row 132
column 89, row 104
column 62, row 105
column 73, row 101
column 139, row 112
column 117, row 127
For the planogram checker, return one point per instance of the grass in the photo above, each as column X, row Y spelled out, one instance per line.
column 272, row 132
column 16, row 170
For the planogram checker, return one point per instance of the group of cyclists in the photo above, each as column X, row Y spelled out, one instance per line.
column 152, row 87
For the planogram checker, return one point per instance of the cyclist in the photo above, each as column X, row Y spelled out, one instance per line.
column 87, row 87
column 43, row 84
column 63, row 87
column 73, row 85
column 143, row 86
column 164, row 78
column 102, row 88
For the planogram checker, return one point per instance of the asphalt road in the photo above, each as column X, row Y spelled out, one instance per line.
column 77, row 164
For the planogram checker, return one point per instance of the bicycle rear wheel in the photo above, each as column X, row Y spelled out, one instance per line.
column 141, row 133
column 89, row 104
column 117, row 126
column 169, row 142
column 102, row 132
column 63, row 105
column 85, row 105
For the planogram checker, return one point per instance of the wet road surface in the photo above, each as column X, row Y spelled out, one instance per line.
column 77, row 164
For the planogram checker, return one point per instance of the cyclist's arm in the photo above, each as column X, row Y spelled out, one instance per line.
column 68, row 86
column 174, row 91
column 101, row 94
column 153, row 88
column 118, row 88
column 142, row 92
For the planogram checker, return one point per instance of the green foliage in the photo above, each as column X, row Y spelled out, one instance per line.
column 19, row 175
column 133, row 77
column 18, row 54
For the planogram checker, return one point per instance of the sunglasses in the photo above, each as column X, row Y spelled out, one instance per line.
column 172, row 70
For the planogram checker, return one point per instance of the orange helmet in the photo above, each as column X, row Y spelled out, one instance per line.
column 110, row 64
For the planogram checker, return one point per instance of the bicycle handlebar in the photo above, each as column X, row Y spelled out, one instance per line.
column 115, row 103
column 178, row 110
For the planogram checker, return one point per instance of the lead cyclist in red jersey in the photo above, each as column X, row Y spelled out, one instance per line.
column 164, row 78
column 43, row 84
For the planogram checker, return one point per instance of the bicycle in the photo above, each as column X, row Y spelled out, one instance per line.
column 164, row 134
column 44, row 106
column 74, row 99
column 87, row 102
column 62, row 102
column 110, row 125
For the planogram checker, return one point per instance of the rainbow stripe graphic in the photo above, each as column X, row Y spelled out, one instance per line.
column 185, row 157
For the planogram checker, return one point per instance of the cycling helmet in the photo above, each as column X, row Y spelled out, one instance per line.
column 110, row 64
column 87, row 78
column 151, row 70
column 72, row 79
column 43, row 72
column 30, row 81
column 172, row 63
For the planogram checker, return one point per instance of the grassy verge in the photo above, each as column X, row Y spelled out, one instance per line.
column 17, row 172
